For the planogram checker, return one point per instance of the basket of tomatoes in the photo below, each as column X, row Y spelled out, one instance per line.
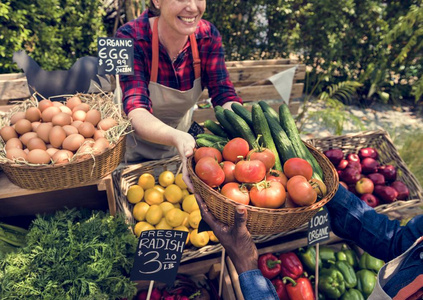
column 276, row 200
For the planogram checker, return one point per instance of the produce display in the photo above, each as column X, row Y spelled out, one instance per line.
column 342, row 274
column 166, row 203
column 55, row 133
column 258, row 158
column 362, row 174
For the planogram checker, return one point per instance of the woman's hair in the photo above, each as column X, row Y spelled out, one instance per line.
column 154, row 11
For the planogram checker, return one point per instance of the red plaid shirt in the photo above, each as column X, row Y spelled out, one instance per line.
column 180, row 75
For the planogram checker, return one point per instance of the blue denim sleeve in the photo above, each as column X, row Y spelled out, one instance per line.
column 255, row 286
column 352, row 219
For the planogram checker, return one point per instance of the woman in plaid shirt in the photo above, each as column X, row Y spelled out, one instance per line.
column 176, row 55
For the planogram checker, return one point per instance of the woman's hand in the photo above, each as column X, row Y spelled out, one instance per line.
column 236, row 239
column 185, row 143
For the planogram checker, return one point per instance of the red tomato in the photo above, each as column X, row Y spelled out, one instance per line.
column 289, row 203
column 235, row 148
column 250, row 171
column 297, row 166
column 300, row 191
column 207, row 151
column 275, row 175
column 268, row 195
column 209, row 171
column 236, row 192
column 229, row 169
column 263, row 154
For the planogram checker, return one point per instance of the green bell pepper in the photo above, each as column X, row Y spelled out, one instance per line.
column 352, row 294
column 347, row 255
column 331, row 283
column 370, row 262
column 326, row 254
column 366, row 282
column 308, row 258
column 348, row 272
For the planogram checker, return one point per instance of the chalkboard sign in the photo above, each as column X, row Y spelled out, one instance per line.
column 115, row 56
column 158, row 255
column 318, row 227
column 195, row 129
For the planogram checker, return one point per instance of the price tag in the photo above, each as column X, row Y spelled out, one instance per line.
column 115, row 56
column 158, row 255
column 195, row 129
column 318, row 227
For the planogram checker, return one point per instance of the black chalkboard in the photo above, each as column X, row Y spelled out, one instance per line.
column 115, row 56
column 195, row 129
column 158, row 255
column 318, row 227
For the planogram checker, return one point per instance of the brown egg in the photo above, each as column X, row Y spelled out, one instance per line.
column 14, row 143
column 62, row 156
column 16, row 153
column 106, row 124
column 38, row 156
column 26, row 151
column 79, row 115
column 86, row 129
column 69, row 129
column 73, row 101
column 57, row 103
column 16, row 117
column 83, row 106
column 43, row 104
column 76, row 124
column 100, row 145
column 33, row 114
column 66, row 110
column 8, row 132
column 22, row 126
column 73, row 142
column 62, row 119
column 48, row 114
column 43, row 131
column 86, row 147
column 56, row 136
column 36, row 143
column 35, row 125
column 51, row 150
column 27, row 136
column 93, row 116
column 99, row 134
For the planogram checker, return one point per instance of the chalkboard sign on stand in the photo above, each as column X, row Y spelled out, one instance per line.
column 115, row 56
column 158, row 255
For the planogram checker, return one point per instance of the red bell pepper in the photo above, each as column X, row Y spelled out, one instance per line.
column 280, row 289
column 269, row 265
column 300, row 289
column 291, row 265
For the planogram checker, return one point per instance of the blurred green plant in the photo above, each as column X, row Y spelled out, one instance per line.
column 409, row 147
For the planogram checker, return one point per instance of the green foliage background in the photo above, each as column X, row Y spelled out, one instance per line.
column 375, row 42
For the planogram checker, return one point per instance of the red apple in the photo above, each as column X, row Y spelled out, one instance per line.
column 369, row 165
column 364, row 186
column 350, row 175
column 344, row 184
column 334, row 155
column 377, row 178
column 353, row 157
column 386, row 193
column 342, row 164
column 402, row 189
column 388, row 171
column 351, row 188
column 370, row 199
column 355, row 164
column 368, row 152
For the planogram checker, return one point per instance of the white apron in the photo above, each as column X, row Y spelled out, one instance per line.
column 171, row 106
column 387, row 271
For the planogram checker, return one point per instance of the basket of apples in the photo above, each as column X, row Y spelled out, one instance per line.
column 277, row 201
column 369, row 165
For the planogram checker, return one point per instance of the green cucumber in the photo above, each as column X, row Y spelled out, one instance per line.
column 267, row 108
column 212, row 137
column 220, row 116
column 207, row 143
column 242, row 127
column 215, row 128
column 281, row 140
column 288, row 124
column 244, row 113
column 262, row 128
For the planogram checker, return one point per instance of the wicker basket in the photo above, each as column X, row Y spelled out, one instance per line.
column 388, row 154
column 123, row 178
column 65, row 176
column 265, row 221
